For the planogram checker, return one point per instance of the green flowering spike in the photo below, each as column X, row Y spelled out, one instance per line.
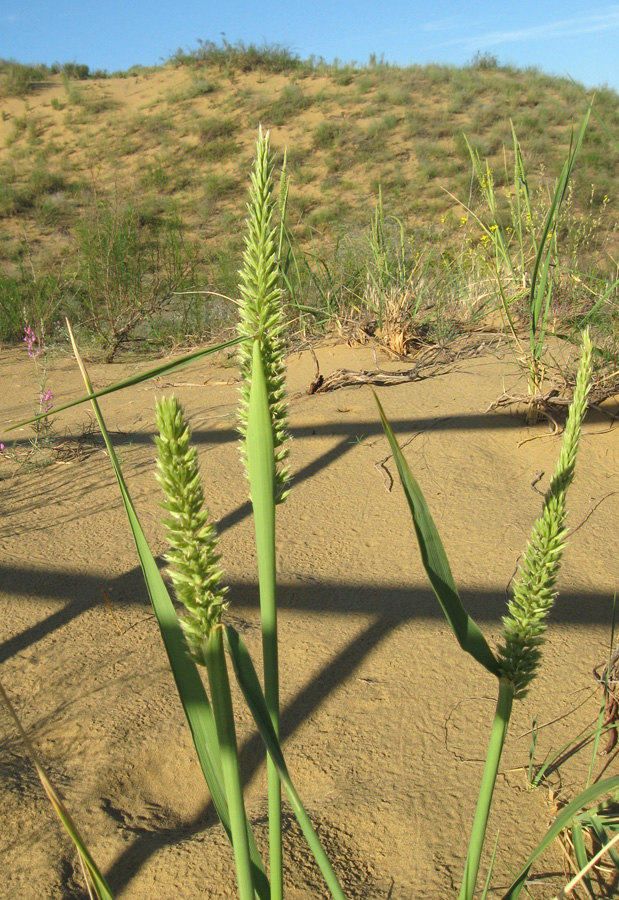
column 261, row 311
column 534, row 589
column 193, row 557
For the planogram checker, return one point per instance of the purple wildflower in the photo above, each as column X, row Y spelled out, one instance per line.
column 30, row 339
column 46, row 400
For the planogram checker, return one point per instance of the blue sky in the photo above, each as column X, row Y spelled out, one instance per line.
column 580, row 38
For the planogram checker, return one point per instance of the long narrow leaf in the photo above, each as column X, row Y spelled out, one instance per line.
column 101, row 886
column 226, row 731
column 580, row 852
column 163, row 369
column 250, row 686
column 484, row 893
column 436, row 564
column 542, row 257
column 188, row 682
column 563, row 820
column 598, row 118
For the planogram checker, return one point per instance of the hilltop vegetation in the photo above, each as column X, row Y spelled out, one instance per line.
column 118, row 193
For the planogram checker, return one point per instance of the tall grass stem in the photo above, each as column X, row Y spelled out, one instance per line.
column 486, row 791
column 261, row 471
column 224, row 719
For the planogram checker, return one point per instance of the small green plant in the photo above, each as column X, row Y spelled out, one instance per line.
column 199, row 87
column 394, row 274
column 40, row 450
column 517, row 659
column 524, row 261
column 43, row 426
column 290, row 103
column 29, row 296
column 128, row 272
column 216, row 188
column 216, row 137
column 484, row 60
column 73, row 93
column 76, row 71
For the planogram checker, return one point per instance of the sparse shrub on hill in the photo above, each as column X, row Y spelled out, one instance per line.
column 78, row 71
column 485, row 60
column 17, row 78
column 216, row 137
column 127, row 273
column 290, row 103
column 239, row 57
column 33, row 297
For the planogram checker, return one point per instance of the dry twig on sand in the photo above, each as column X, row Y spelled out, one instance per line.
column 608, row 677
column 429, row 359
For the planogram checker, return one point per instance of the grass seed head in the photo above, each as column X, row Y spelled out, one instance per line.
column 534, row 588
column 261, row 310
column 193, row 558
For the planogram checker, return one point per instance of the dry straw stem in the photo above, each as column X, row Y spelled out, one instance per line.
column 534, row 589
column 569, row 887
column 89, row 866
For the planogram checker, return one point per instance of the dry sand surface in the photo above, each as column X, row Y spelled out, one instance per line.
column 385, row 720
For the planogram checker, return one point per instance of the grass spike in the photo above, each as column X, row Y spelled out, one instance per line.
column 193, row 557
column 196, row 575
column 534, row 588
column 261, row 311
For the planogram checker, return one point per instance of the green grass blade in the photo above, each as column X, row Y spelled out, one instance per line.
column 521, row 185
column 261, row 471
column 549, row 763
column 188, row 682
column 540, row 304
column 599, row 729
column 486, row 791
column 598, row 303
column 436, row 564
column 100, row 884
column 580, row 853
column 484, row 893
column 600, row 121
column 532, row 747
column 163, row 369
column 224, row 718
column 250, row 686
column 563, row 820
column 544, row 250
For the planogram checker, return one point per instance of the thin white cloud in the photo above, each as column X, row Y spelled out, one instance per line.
column 10, row 19
column 446, row 24
column 608, row 20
